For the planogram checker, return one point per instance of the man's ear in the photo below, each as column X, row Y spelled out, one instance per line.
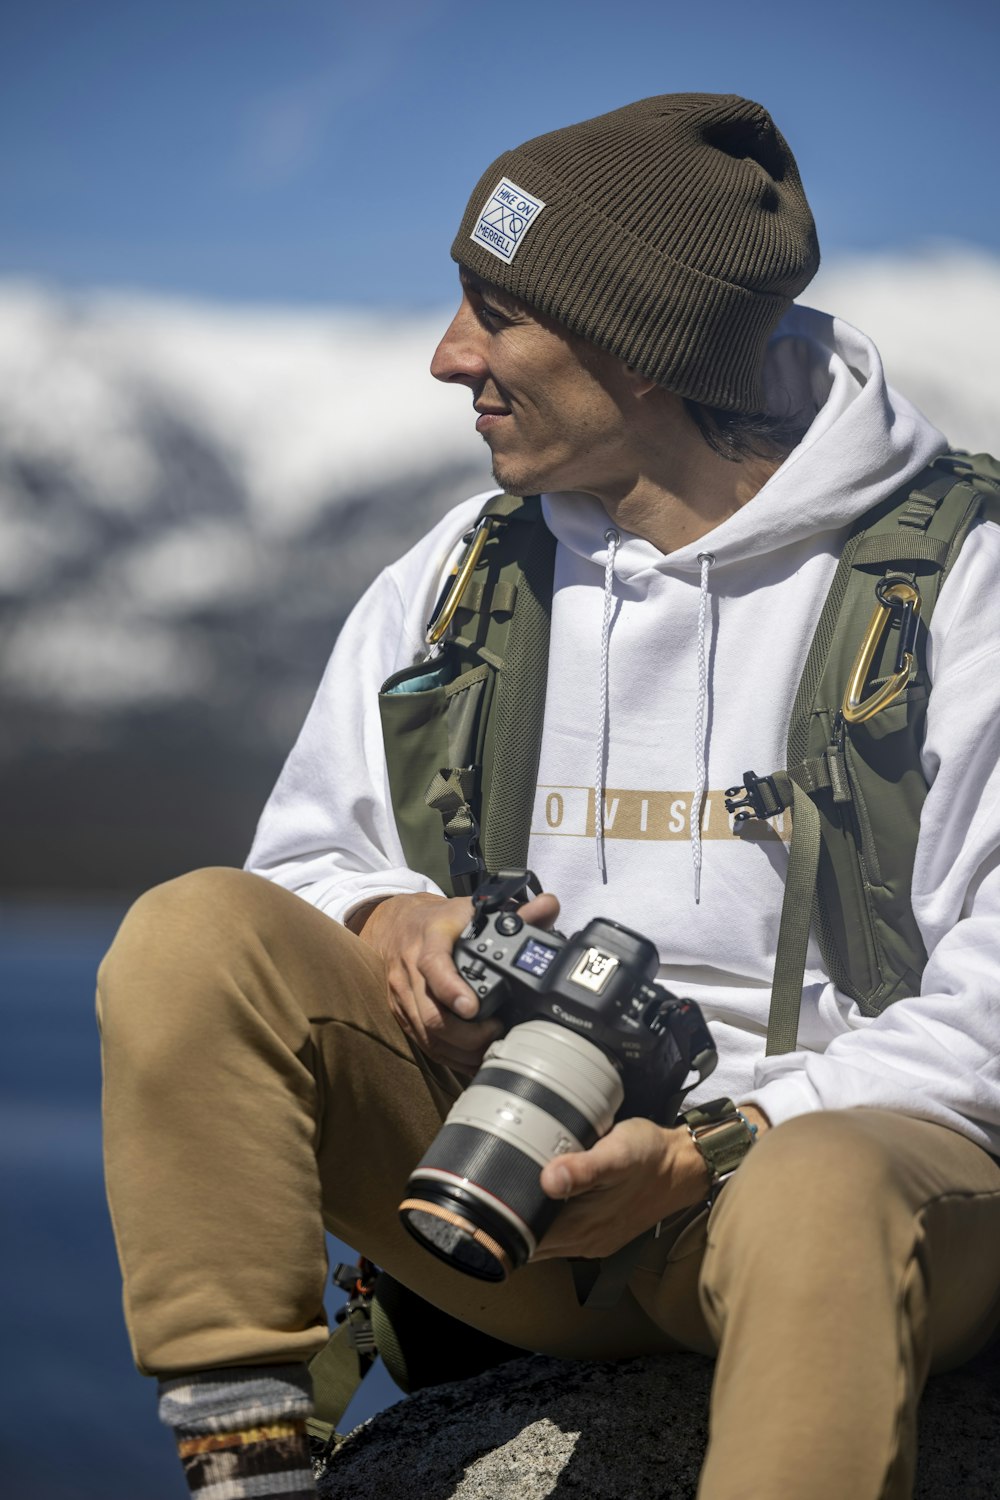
column 641, row 385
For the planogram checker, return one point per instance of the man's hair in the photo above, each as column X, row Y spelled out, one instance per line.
column 736, row 435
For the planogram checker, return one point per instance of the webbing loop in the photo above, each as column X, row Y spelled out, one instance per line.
column 796, row 916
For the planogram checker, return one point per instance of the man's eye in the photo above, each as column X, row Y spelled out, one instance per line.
column 491, row 316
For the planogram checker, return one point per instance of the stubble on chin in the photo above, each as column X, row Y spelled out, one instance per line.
column 511, row 480
column 501, row 478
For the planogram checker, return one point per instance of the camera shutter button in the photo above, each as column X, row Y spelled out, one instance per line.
column 509, row 924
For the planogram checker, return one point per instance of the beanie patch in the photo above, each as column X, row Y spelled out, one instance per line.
column 506, row 217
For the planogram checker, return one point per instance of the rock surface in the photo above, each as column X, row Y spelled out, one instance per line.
column 540, row 1427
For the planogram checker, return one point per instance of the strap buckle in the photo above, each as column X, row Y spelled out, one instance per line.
column 760, row 799
column 465, row 860
column 359, row 1283
column 450, row 793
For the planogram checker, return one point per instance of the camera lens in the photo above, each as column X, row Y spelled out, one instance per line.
column 475, row 1200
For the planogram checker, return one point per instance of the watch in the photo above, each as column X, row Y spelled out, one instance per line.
column 722, row 1134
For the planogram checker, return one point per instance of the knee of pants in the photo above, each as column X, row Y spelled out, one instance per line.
column 813, row 1183
column 188, row 913
column 220, row 956
column 187, row 947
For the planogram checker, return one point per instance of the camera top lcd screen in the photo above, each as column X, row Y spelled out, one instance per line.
column 534, row 958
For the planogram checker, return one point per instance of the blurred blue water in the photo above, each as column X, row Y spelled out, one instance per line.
column 76, row 1421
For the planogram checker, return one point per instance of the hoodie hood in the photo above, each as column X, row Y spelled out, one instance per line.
column 864, row 441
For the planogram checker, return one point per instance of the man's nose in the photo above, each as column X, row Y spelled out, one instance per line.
column 460, row 356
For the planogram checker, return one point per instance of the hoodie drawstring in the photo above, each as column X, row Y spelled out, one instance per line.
column 613, row 539
column 701, row 771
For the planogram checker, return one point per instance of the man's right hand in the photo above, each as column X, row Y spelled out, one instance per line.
column 415, row 935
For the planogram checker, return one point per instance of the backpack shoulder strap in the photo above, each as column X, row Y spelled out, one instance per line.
column 854, row 781
column 919, row 529
column 462, row 730
column 524, row 565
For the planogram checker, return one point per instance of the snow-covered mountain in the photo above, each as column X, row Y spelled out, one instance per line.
column 167, row 466
column 936, row 319
column 191, row 496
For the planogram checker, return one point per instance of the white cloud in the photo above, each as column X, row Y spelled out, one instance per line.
column 935, row 316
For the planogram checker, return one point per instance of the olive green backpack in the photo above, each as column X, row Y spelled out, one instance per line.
column 462, row 735
column 463, row 730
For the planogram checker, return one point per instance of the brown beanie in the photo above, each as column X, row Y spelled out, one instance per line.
column 673, row 233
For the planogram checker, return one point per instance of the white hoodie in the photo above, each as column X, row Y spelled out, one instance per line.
column 704, row 650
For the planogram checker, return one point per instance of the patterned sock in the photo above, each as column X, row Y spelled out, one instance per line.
column 241, row 1432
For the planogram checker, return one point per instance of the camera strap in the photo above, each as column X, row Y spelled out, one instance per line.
column 600, row 1283
column 344, row 1361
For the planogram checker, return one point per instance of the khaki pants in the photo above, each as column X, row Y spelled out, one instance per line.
column 257, row 1088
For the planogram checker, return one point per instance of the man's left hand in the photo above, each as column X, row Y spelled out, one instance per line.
column 634, row 1176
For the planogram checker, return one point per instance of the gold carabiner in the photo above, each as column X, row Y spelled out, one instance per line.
column 443, row 615
column 893, row 596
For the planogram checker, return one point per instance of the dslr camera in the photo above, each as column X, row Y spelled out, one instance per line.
column 590, row 1039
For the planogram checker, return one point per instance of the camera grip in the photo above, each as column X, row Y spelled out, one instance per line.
column 486, row 984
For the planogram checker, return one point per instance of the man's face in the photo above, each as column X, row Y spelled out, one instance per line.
column 552, row 408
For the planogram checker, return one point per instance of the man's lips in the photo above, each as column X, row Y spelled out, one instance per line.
column 488, row 419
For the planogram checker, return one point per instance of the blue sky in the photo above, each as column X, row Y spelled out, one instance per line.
column 292, row 150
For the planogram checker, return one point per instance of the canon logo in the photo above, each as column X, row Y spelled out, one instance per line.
column 564, row 1015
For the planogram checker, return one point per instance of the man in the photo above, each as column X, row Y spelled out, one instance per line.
column 274, row 1064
